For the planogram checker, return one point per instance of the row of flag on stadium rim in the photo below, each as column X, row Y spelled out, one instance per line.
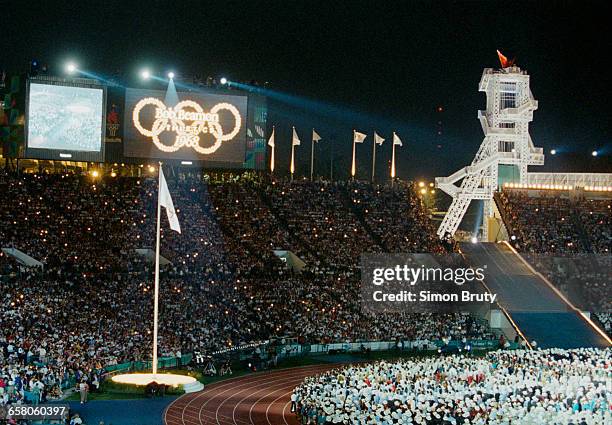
column 358, row 137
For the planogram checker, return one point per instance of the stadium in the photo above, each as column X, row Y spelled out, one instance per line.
column 181, row 250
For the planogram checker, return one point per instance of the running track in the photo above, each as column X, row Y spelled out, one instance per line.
column 261, row 398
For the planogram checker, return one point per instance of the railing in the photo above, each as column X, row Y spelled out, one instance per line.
column 137, row 366
column 588, row 180
column 297, row 350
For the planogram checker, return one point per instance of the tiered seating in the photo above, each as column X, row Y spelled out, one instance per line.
column 318, row 215
column 407, row 228
column 91, row 305
column 545, row 224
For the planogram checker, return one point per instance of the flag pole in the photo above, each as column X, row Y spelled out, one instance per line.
column 156, row 297
column 353, row 164
column 373, row 156
column 292, row 168
column 272, row 153
column 312, row 156
column 393, row 161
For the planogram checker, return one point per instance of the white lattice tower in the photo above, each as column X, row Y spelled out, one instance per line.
column 505, row 124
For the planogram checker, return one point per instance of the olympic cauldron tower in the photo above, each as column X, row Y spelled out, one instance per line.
column 507, row 145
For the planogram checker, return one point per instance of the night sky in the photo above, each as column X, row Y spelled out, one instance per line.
column 380, row 65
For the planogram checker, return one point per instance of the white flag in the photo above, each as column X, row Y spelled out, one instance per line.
column 358, row 137
column 296, row 139
column 396, row 140
column 165, row 200
column 315, row 136
column 271, row 139
column 377, row 139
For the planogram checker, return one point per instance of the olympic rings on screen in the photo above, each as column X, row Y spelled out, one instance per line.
column 187, row 135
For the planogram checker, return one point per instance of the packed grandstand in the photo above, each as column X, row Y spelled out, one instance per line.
column 224, row 287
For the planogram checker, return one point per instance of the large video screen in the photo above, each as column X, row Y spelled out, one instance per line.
column 65, row 122
column 199, row 126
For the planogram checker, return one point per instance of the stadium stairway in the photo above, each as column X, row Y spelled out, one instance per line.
column 347, row 200
column 309, row 251
column 537, row 309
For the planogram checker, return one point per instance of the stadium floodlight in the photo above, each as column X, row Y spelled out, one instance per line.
column 71, row 67
column 553, row 151
column 594, row 153
column 145, row 74
column 171, row 75
column 223, row 81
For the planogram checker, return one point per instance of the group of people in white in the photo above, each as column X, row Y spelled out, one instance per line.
column 534, row 387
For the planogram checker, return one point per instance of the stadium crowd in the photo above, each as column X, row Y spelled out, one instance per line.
column 548, row 223
column 224, row 286
column 553, row 386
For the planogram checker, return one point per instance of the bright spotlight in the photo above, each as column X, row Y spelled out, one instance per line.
column 145, row 74
column 553, row 151
column 171, row 75
column 594, row 153
column 70, row 67
column 223, row 80
column 474, row 239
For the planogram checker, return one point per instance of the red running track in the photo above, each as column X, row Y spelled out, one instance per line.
column 261, row 398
